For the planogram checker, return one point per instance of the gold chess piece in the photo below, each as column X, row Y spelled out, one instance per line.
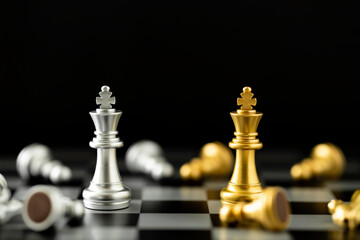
column 271, row 210
column 215, row 160
column 244, row 199
column 346, row 214
column 326, row 161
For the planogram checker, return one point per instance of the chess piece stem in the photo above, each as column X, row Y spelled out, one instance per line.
column 36, row 160
column 45, row 205
column 106, row 190
column 326, row 162
column 215, row 160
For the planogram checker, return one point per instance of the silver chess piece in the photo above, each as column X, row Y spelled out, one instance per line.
column 106, row 190
column 8, row 207
column 37, row 160
column 46, row 205
column 148, row 157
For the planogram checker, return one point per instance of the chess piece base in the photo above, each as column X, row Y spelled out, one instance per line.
column 106, row 196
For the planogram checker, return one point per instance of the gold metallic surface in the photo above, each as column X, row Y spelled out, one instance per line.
column 326, row 162
column 243, row 200
column 244, row 183
column 215, row 160
column 346, row 214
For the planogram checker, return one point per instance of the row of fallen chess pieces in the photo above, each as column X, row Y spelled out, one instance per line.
column 215, row 160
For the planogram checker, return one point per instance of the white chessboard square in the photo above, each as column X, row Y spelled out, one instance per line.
column 309, row 194
column 174, row 193
column 214, row 206
column 312, row 223
column 70, row 192
column 174, row 221
column 245, row 234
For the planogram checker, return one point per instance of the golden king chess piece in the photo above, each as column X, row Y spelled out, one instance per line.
column 346, row 214
column 243, row 199
column 326, row 162
column 215, row 160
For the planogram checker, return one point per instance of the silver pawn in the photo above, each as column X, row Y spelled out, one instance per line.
column 106, row 190
column 8, row 207
column 148, row 157
column 37, row 160
column 45, row 205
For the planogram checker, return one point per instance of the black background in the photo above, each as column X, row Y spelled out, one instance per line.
column 176, row 69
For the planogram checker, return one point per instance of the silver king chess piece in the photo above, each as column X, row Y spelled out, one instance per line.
column 8, row 207
column 36, row 160
column 147, row 157
column 106, row 190
column 46, row 205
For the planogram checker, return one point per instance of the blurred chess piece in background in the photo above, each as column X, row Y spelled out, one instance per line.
column 326, row 162
column 215, row 160
column 8, row 207
column 147, row 157
column 36, row 161
column 346, row 215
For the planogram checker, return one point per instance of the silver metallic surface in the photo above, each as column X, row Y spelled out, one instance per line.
column 37, row 160
column 106, row 190
column 8, row 207
column 148, row 157
column 60, row 207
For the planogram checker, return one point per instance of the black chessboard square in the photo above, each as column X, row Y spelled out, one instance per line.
column 111, row 219
column 174, row 207
column 309, row 208
column 215, row 220
column 175, row 234
column 344, row 195
column 213, row 194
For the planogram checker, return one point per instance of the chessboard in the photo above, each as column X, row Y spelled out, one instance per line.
column 183, row 211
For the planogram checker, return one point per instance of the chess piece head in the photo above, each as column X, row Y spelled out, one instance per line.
column 36, row 160
column 215, row 160
column 326, row 161
column 271, row 210
column 45, row 205
column 148, row 157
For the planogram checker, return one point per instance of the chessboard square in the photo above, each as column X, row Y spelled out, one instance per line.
column 174, row 234
column 134, row 207
column 309, row 208
column 312, row 223
column 323, row 235
column 214, row 206
column 245, row 234
column 135, row 182
column 174, row 221
column 114, row 219
column 306, row 194
column 215, row 220
column 174, row 193
column 174, row 207
column 342, row 185
column 103, row 232
column 344, row 195
column 213, row 194
column 214, row 184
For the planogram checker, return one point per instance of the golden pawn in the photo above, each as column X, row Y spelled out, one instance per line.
column 346, row 215
column 326, row 161
column 271, row 210
column 215, row 160
column 243, row 199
